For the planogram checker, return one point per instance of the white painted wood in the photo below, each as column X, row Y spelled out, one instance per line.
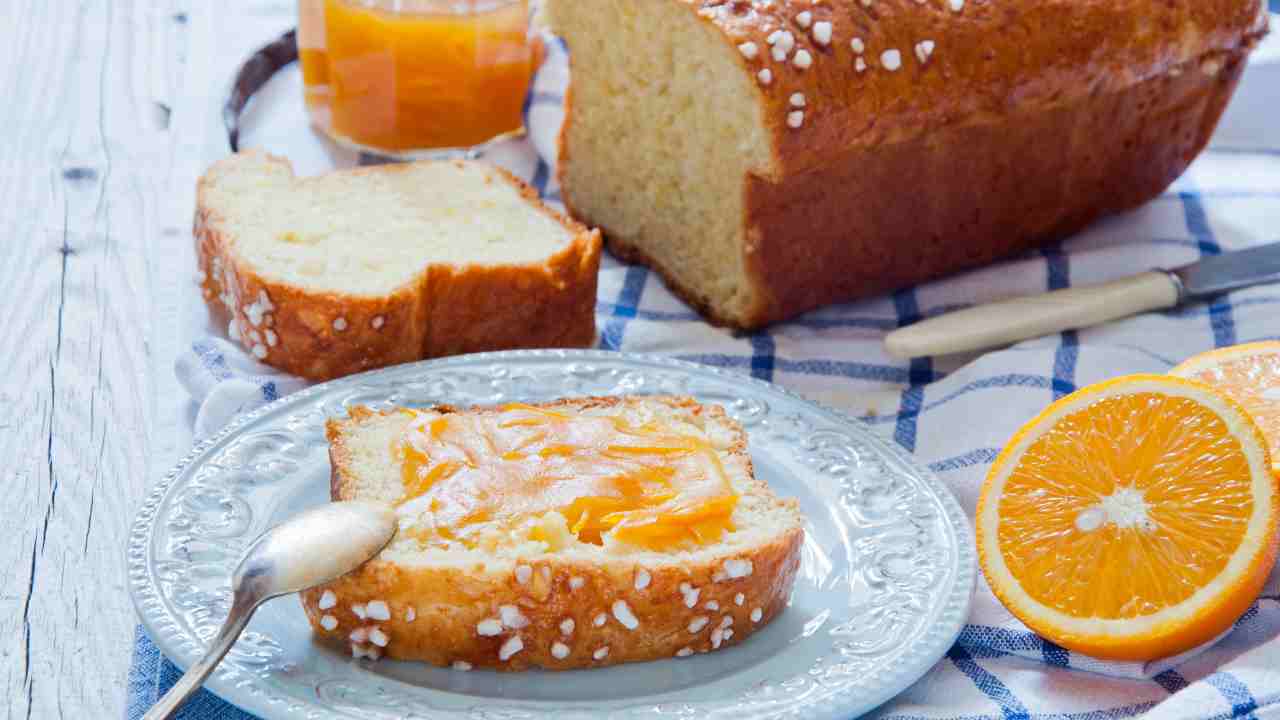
column 1009, row 321
column 87, row 175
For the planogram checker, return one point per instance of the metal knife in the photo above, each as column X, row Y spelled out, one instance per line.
column 1009, row 321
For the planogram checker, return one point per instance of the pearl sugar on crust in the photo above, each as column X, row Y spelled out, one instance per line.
column 512, row 617
column 822, row 32
column 623, row 613
column 512, row 646
column 378, row 610
column 924, row 49
column 891, row 60
column 689, row 594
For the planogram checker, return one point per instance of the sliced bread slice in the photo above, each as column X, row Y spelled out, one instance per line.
column 358, row 269
column 579, row 533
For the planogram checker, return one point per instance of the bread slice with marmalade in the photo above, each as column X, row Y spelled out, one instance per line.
column 579, row 533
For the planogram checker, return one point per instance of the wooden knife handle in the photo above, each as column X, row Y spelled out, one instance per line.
column 1009, row 321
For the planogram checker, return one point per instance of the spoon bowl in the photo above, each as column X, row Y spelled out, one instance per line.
column 314, row 547
column 310, row 549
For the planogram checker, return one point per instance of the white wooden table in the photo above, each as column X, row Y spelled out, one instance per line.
column 103, row 111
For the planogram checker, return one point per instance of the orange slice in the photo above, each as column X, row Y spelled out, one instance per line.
column 1132, row 520
column 1248, row 374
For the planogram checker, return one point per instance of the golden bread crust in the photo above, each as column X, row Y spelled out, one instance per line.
column 989, row 61
column 1024, row 122
column 448, row 310
column 839, row 233
column 449, row 605
column 677, row 608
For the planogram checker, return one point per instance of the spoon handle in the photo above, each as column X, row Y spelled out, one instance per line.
column 242, row 608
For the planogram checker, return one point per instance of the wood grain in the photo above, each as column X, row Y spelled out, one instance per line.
column 90, row 93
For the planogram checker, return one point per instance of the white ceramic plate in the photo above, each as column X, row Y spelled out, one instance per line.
column 883, row 589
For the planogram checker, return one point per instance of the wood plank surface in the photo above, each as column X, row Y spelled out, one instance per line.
column 89, row 92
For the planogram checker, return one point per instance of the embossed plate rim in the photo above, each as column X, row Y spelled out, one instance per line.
column 902, row 671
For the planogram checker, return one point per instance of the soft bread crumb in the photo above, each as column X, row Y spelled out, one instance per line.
column 693, row 130
column 371, row 233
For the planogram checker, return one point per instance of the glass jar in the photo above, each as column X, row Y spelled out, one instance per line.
column 415, row 78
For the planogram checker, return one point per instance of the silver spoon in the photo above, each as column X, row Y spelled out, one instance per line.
column 313, row 548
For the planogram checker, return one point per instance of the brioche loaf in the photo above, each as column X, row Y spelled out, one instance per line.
column 769, row 157
column 575, row 534
column 358, row 269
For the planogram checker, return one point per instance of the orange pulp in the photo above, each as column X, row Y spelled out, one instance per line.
column 1168, row 456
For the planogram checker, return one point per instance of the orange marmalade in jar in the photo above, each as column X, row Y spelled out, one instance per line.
column 415, row 78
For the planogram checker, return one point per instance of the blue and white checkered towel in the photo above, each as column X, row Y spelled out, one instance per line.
column 953, row 413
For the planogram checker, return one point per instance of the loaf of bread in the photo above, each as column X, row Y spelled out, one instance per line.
column 359, row 269
column 769, row 157
column 579, row 533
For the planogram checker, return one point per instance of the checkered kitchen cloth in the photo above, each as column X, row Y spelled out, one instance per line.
column 953, row 413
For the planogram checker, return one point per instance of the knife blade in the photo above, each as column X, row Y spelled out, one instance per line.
column 1217, row 274
column 1022, row 318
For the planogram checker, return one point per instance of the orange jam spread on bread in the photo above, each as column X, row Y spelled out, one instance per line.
column 424, row 75
column 551, row 473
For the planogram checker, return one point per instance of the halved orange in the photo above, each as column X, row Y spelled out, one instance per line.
column 1248, row 374
column 1132, row 520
